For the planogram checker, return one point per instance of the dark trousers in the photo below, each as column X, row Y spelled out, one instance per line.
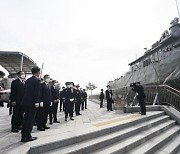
column 28, row 120
column 101, row 102
column 85, row 102
column 77, row 106
column 39, row 117
column 17, row 117
column 142, row 105
column 69, row 106
column 46, row 112
column 10, row 108
column 53, row 112
column 109, row 104
column 61, row 105
column 2, row 103
column 82, row 104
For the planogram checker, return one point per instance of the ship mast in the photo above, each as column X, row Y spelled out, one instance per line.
column 177, row 9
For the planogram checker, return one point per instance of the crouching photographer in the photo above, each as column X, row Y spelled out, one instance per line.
column 138, row 88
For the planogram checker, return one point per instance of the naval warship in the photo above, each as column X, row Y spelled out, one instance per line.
column 159, row 65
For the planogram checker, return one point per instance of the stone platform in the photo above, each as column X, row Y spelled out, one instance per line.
column 10, row 142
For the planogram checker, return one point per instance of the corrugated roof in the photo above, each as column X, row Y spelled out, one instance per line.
column 11, row 61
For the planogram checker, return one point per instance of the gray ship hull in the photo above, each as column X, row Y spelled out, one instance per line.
column 159, row 65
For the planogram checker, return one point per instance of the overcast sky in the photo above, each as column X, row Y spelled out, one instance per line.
column 83, row 40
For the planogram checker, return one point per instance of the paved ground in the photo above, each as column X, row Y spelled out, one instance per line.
column 91, row 118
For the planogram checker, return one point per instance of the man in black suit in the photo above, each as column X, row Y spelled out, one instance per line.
column 2, row 74
column 62, row 99
column 55, row 101
column 16, row 95
column 30, row 102
column 141, row 97
column 45, row 103
column 85, row 98
column 101, row 97
column 109, row 98
column 78, row 101
column 70, row 99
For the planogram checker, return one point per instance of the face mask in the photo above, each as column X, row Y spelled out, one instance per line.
column 55, row 84
column 71, row 86
column 47, row 80
column 22, row 76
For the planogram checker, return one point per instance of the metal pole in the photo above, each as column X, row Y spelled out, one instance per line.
column 177, row 8
column 42, row 69
column 22, row 61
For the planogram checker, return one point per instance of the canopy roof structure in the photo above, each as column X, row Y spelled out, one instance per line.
column 16, row 61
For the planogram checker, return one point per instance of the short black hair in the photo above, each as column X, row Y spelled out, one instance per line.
column 46, row 76
column 72, row 83
column 35, row 70
column 18, row 73
column 54, row 81
column 67, row 83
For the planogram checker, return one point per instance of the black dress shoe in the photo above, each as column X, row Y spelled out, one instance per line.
column 41, row 129
column 71, row 119
column 24, row 140
column 56, row 121
column 65, row 119
column 33, row 138
column 20, row 128
column 46, row 127
column 79, row 114
column 14, row 130
column 143, row 113
column 111, row 110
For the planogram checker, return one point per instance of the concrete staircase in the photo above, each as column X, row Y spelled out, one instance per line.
column 153, row 133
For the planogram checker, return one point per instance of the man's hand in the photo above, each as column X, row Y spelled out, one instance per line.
column 36, row 105
column 13, row 103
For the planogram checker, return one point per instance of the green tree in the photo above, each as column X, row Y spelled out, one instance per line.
column 90, row 87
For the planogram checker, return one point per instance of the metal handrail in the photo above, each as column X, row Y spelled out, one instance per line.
column 162, row 94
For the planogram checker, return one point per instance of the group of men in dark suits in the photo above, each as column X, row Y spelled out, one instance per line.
column 73, row 99
column 32, row 102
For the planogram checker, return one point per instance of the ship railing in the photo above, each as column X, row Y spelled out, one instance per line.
column 157, row 95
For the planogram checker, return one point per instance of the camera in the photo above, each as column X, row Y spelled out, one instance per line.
column 132, row 84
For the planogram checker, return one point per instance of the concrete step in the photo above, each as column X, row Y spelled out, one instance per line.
column 171, row 147
column 111, row 137
column 83, row 137
column 136, row 140
column 157, row 142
